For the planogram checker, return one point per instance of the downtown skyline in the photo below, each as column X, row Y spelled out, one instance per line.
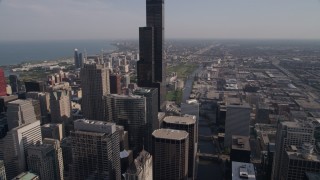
column 46, row 20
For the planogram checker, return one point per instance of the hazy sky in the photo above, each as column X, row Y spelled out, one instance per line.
column 113, row 19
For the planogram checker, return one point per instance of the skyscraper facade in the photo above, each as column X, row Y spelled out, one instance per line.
column 95, row 150
column 3, row 84
column 188, row 124
column 170, row 154
column 16, row 144
column 151, row 68
column 151, row 95
column 128, row 111
column 95, row 85
column 46, row 160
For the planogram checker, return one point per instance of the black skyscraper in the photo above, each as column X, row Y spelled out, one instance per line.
column 152, row 66
column 14, row 83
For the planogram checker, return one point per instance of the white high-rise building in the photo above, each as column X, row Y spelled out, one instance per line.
column 20, row 112
column 16, row 144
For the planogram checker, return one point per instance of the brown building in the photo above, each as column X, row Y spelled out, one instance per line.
column 170, row 154
column 95, row 84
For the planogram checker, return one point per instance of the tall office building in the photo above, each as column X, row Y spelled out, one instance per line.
column 3, row 84
column 188, row 124
column 16, row 144
column 60, row 105
column 290, row 133
column 237, row 122
column 46, row 160
column 2, row 171
column 95, row 85
column 14, row 83
column 170, row 154
column 115, row 84
column 300, row 160
column 76, row 58
column 129, row 112
column 66, row 146
column 151, row 68
column 151, row 95
column 44, row 99
column 95, row 150
column 20, row 112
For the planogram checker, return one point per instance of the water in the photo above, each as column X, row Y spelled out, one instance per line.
column 17, row 52
column 206, row 169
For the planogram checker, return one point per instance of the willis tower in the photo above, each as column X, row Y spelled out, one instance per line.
column 151, row 68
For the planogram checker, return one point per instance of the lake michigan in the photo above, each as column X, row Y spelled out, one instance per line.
column 18, row 52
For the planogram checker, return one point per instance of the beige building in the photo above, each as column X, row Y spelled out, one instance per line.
column 60, row 105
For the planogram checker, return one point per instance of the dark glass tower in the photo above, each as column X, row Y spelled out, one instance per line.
column 152, row 66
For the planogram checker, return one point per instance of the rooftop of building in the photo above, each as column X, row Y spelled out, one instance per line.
column 304, row 153
column 170, row 134
column 297, row 124
column 26, row 176
column 123, row 96
column 94, row 126
column 241, row 143
column 307, row 104
column 86, row 121
column 19, row 102
column 51, row 125
column 143, row 90
column 242, row 171
column 187, row 120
